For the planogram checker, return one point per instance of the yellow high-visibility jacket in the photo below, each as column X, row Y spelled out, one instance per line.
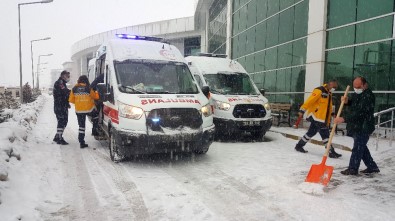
column 319, row 105
column 83, row 97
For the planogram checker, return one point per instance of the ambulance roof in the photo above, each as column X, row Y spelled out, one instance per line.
column 125, row 49
column 213, row 65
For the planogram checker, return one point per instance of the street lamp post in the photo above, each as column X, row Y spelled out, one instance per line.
column 20, row 43
column 31, row 55
column 38, row 68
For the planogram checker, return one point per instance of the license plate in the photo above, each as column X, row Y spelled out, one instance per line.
column 251, row 123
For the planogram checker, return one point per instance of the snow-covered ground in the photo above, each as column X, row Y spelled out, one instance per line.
column 233, row 181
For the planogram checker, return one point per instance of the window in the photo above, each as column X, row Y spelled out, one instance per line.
column 299, row 52
column 230, row 83
column 341, row 37
column 301, row 19
column 339, row 65
column 199, row 80
column 372, row 8
column 260, row 36
column 286, row 25
column 261, row 7
column 136, row 76
column 285, row 55
column 273, row 7
column 272, row 31
column 374, row 30
column 271, row 59
column 341, row 12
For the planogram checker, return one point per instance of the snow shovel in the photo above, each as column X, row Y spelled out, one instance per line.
column 321, row 173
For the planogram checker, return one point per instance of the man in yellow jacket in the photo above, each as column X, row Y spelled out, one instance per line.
column 83, row 97
column 318, row 109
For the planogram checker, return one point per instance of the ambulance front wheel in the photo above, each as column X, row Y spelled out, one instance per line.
column 115, row 154
column 258, row 135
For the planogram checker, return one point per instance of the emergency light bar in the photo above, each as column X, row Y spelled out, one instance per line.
column 212, row 55
column 137, row 37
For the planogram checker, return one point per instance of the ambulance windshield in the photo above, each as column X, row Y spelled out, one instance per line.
column 154, row 77
column 230, row 83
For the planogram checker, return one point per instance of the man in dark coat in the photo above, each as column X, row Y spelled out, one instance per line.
column 360, row 125
column 61, row 105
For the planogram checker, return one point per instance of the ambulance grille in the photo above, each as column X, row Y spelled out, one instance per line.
column 249, row 111
column 174, row 118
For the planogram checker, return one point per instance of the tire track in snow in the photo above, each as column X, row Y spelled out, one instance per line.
column 83, row 201
column 230, row 197
column 114, row 202
column 127, row 187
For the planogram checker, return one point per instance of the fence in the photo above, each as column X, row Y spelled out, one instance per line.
column 385, row 125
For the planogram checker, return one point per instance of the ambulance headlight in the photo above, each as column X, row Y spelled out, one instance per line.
column 267, row 106
column 130, row 112
column 222, row 105
column 206, row 110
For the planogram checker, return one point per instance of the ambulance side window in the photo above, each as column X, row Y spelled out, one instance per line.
column 108, row 85
column 199, row 80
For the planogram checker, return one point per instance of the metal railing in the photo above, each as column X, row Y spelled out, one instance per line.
column 385, row 128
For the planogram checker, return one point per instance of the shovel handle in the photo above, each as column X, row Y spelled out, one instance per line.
column 328, row 145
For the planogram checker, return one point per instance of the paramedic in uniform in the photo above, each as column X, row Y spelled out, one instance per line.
column 84, row 99
column 61, row 105
column 318, row 108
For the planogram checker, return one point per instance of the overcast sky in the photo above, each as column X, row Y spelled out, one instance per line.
column 66, row 22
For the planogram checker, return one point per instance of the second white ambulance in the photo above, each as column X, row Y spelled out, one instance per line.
column 237, row 103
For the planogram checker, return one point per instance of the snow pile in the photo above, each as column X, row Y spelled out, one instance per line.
column 312, row 188
column 14, row 133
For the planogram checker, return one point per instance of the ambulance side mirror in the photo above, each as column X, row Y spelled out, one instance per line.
column 263, row 91
column 206, row 90
column 102, row 90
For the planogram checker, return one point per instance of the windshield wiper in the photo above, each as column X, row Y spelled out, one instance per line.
column 216, row 92
column 133, row 89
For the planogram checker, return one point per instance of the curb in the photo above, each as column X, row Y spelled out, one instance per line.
column 313, row 141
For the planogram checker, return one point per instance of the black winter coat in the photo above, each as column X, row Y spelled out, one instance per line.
column 61, row 96
column 360, row 113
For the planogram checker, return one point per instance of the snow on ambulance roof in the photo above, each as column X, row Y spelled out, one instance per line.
column 213, row 65
column 124, row 49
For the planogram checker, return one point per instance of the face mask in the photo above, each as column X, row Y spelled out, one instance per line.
column 358, row 91
column 67, row 79
column 333, row 90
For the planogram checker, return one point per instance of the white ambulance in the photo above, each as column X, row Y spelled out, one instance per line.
column 237, row 103
column 151, row 102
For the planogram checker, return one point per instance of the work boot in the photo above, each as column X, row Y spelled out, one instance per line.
column 369, row 171
column 299, row 148
column 56, row 138
column 83, row 145
column 349, row 172
column 333, row 154
column 62, row 142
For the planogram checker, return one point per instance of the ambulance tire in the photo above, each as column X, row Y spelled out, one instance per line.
column 115, row 154
column 202, row 150
column 258, row 136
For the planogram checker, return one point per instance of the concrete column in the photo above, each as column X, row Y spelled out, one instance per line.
column 207, row 30
column 316, row 43
column 229, row 28
column 84, row 66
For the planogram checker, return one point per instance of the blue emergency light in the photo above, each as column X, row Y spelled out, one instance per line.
column 137, row 37
column 155, row 120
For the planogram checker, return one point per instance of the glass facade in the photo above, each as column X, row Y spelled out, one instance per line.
column 217, row 27
column 360, row 42
column 269, row 38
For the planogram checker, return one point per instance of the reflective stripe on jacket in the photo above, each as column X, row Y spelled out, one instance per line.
column 83, row 97
column 316, row 106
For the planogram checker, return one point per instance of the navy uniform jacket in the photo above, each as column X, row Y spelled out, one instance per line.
column 61, row 96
